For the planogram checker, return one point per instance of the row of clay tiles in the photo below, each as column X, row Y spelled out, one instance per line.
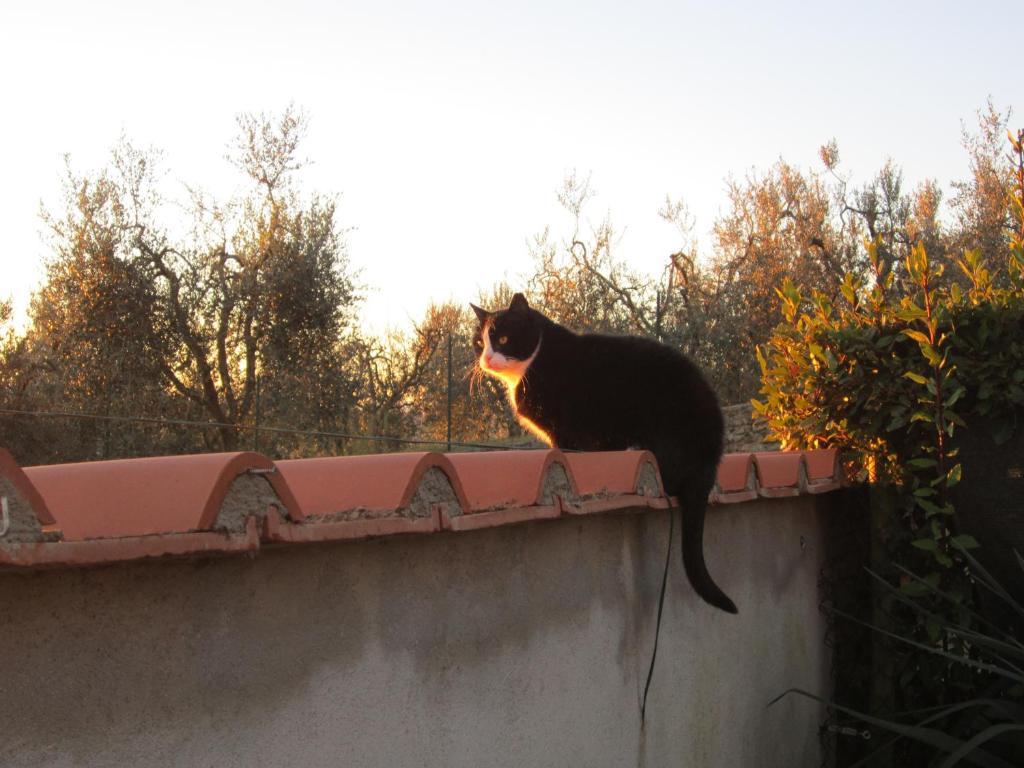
column 108, row 511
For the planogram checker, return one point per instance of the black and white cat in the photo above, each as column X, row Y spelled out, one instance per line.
column 594, row 392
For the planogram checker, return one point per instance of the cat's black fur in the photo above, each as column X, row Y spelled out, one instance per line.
column 596, row 392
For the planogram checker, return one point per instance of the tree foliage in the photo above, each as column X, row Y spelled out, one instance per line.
column 242, row 312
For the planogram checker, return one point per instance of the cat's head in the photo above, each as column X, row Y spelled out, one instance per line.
column 506, row 341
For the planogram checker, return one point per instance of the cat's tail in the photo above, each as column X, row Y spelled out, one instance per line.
column 693, row 506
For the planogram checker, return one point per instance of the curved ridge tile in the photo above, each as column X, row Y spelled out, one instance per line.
column 503, row 479
column 614, row 472
column 24, row 515
column 824, row 472
column 616, row 481
column 383, row 484
column 736, row 479
column 142, row 497
column 508, row 487
column 219, row 503
column 781, row 473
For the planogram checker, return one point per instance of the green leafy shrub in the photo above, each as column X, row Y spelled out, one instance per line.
column 891, row 371
column 889, row 375
column 887, row 371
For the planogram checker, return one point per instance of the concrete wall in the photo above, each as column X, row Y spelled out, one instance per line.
column 519, row 646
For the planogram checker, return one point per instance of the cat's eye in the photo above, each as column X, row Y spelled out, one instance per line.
column 478, row 343
column 503, row 340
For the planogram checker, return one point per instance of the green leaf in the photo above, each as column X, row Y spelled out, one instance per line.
column 965, row 541
column 911, row 312
column 896, row 422
column 952, row 399
column 917, row 378
column 953, row 476
column 817, row 352
column 761, row 360
column 922, row 463
column 848, row 291
column 931, row 508
column 928, row 545
column 830, row 360
column 916, row 336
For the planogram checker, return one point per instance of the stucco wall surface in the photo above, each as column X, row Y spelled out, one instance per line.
column 519, row 646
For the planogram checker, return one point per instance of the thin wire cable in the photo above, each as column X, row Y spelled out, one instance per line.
column 661, row 605
column 253, row 427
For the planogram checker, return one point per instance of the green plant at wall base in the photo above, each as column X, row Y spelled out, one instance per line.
column 985, row 726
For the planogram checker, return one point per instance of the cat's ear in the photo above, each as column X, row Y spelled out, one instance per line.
column 518, row 303
column 481, row 314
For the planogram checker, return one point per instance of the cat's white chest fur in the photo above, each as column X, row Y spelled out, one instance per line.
column 511, row 371
column 525, row 422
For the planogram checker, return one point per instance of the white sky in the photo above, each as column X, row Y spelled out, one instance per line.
column 448, row 126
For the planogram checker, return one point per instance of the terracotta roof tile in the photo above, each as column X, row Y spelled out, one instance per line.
column 25, row 516
column 506, row 487
column 780, row 473
column 100, row 551
column 616, row 480
column 376, row 483
column 143, row 497
column 356, row 497
column 737, row 479
column 313, row 529
column 824, row 472
column 222, row 503
column 499, row 479
column 616, row 472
